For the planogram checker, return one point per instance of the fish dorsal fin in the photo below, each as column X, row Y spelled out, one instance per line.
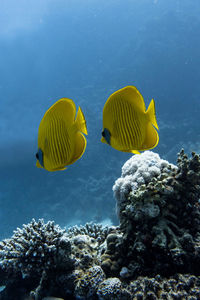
column 131, row 95
column 81, row 122
column 64, row 108
column 152, row 113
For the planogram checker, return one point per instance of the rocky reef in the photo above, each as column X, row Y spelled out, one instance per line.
column 154, row 253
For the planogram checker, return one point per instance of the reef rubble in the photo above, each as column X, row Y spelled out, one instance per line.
column 154, row 253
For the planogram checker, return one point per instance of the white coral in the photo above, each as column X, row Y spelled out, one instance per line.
column 138, row 170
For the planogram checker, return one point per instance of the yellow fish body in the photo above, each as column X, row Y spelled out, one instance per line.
column 127, row 125
column 60, row 136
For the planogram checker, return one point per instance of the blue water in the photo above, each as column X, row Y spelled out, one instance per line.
column 85, row 50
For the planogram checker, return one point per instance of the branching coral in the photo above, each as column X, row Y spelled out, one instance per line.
column 34, row 248
column 93, row 230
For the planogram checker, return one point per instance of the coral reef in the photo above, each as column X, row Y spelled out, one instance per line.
column 88, row 282
column 159, row 216
column 176, row 287
column 34, row 248
column 37, row 250
column 112, row 288
column 96, row 231
column 137, row 173
column 154, row 253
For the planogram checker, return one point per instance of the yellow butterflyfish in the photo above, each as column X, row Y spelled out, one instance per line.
column 127, row 125
column 60, row 136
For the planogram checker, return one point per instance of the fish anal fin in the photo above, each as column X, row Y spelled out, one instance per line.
column 151, row 112
column 135, row 152
column 59, row 169
column 131, row 151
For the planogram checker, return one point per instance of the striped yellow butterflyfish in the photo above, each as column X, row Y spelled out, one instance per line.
column 60, row 136
column 127, row 125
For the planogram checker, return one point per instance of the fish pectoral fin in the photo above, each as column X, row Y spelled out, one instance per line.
column 151, row 112
column 80, row 145
column 81, row 122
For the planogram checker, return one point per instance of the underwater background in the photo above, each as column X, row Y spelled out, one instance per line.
column 86, row 50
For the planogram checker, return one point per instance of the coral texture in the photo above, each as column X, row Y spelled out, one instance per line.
column 176, row 287
column 34, row 248
column 153, row 254
column 159, row 216
column 112, row 288
column 88, row 282
column 137, row 172
column 96, row 231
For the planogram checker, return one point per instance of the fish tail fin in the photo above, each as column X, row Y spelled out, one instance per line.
column 151, row 112
column 81, row 122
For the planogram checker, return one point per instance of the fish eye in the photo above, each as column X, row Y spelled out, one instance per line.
column 103, row 133
column 37, row 156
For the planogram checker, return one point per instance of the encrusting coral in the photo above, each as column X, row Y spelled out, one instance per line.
column 153, row 254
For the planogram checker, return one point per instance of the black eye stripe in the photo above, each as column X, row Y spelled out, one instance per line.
column 37, row 156
column 103, row 133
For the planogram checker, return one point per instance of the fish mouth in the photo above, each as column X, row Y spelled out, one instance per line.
column 103, row 140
